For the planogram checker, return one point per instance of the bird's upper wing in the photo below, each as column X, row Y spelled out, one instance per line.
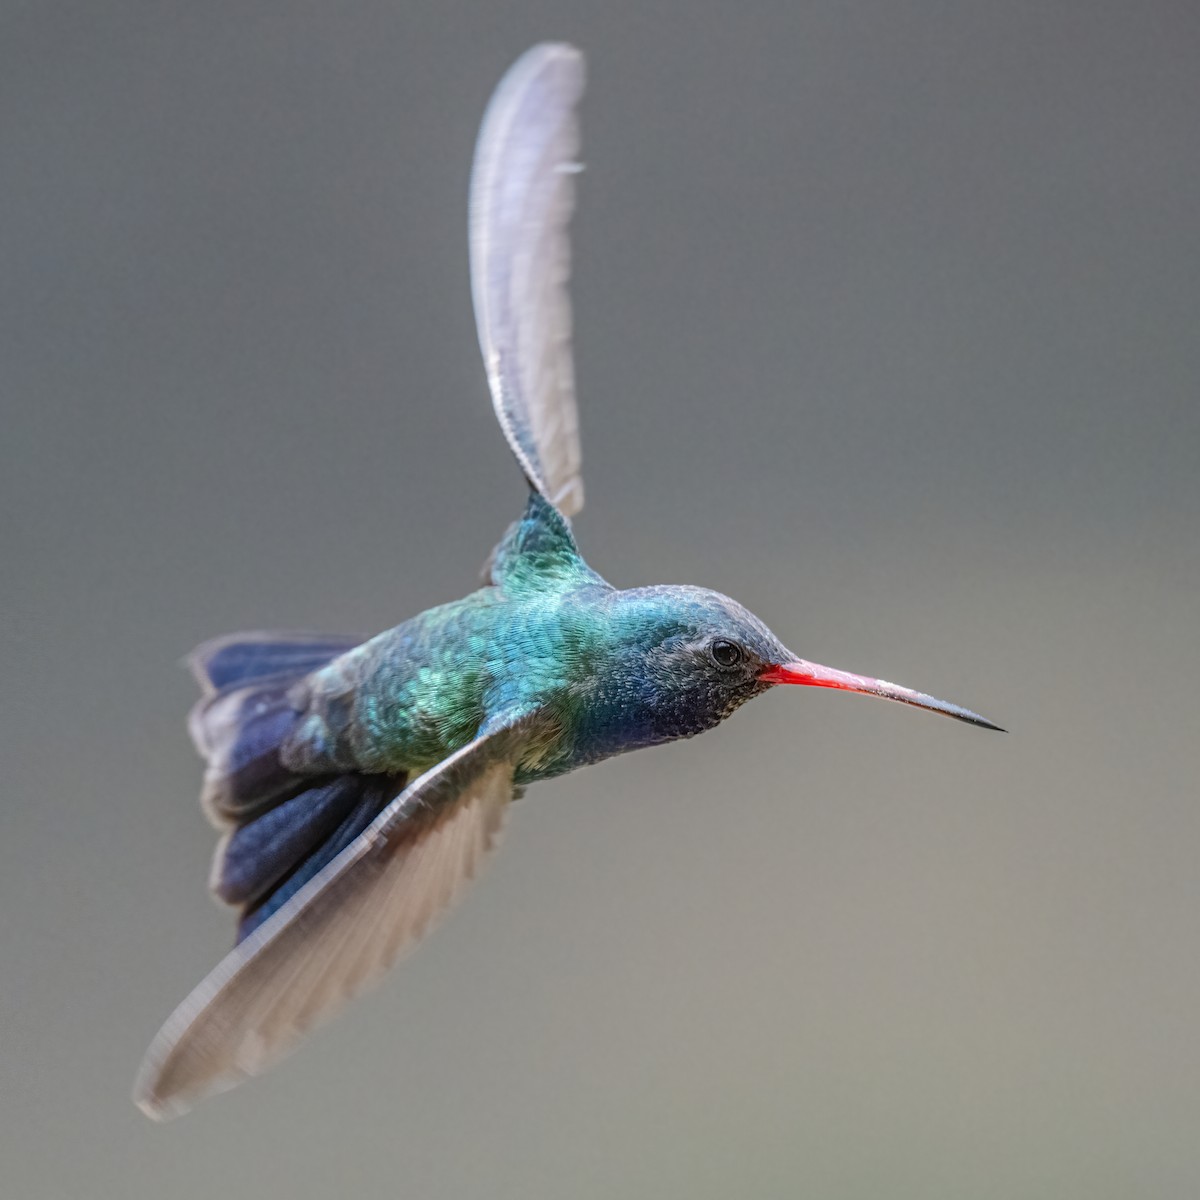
column 522, row 194
column 340, row 932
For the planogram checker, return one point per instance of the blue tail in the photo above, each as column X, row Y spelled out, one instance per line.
column 240, row 658
column 282, row 826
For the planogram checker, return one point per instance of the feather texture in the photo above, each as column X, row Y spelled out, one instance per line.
column 339, row 932
column 241, row 658
column 522, row 196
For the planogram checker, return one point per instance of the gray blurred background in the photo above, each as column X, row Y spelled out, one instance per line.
column 887, row 324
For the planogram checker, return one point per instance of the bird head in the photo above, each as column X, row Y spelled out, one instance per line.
column 692, row 657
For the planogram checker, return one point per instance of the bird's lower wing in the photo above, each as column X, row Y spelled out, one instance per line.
column 340, row 932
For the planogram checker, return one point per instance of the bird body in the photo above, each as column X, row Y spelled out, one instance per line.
column 604, row 670
column 358, row 784
column 549, row 634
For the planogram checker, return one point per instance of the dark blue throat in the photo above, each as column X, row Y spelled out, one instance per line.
column 629, row 713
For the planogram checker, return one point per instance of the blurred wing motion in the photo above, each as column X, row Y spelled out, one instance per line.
column 339, row 933
column 522, row 194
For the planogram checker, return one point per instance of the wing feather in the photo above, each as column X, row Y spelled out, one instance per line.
column 339, row 933
column 522, row 196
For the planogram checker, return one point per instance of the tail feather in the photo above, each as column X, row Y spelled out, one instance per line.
column 240, row 733
column 367, row 797
column 254, row 857
column 240, row 658
column 281, row 825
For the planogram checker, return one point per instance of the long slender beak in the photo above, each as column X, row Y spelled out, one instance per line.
column 815, row 675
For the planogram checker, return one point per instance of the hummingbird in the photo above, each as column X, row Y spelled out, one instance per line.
column 358, row 785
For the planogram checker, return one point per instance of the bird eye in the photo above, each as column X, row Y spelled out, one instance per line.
column 726, row 654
